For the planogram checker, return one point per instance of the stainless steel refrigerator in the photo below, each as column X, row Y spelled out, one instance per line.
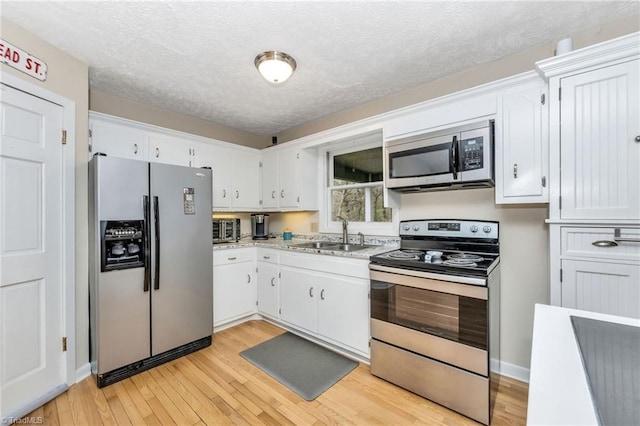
column 151, row 264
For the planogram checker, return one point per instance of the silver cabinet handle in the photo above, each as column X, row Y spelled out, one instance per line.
column 135, row 148
column 322, row 294
column 248, row 278
column 515, row 170
column 157, row 152
column 618, row 238
column 273, row 194
column 266, row 257
column 231, row 258
column 273, row 284
column 282, row 194
column 311, row 292
column 224, row 193
column 237, row 194
column 604, row 243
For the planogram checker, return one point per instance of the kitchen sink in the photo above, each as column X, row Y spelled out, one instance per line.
column 328, row 245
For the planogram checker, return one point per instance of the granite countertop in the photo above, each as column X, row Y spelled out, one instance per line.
column 559, row 391
column 382, row 244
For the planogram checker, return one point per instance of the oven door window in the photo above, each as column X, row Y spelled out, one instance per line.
column 457, row 318
column 425, row 161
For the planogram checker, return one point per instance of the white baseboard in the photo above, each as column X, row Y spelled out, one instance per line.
column 510, row 370
column 83, row 372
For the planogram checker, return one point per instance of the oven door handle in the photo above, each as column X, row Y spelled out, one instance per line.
column 428, row 281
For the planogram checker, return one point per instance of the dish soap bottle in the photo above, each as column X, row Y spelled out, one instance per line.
column 286, row 234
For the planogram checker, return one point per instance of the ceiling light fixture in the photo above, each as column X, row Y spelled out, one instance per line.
column 275, row 67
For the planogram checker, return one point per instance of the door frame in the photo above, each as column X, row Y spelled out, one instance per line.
column 68, row 308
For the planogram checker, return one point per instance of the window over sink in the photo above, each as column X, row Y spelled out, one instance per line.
column 354, row 187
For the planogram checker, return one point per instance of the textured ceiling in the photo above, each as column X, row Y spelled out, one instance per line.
column 196, row 58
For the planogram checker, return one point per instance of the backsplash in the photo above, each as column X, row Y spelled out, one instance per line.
column 377, row 240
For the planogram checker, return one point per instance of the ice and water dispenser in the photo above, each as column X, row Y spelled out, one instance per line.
column 122, row 244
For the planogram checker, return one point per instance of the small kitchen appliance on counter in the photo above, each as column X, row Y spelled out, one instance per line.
column 259, row 226
column 435, row 313
column 226, row 230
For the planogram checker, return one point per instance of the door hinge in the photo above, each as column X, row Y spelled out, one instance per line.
column 544, row 181
column 64, row 137
column 543, row 98
column 64, row 344
column 560, row 274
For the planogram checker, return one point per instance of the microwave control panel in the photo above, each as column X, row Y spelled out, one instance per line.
column 471, row 154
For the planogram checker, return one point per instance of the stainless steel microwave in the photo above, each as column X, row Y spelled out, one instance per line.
column 226, row 230
column 456, row 158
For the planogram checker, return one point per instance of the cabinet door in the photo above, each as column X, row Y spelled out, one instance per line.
column 298, row 298
column 169, row 150
column 608, row 288
column 270, row 185
column 245, row 180
column 220, row 162
column 521, row 147
column 268, row 289
column 343, row 310
column 234, row 291
column 599, row 110
column 289, row 178
column 117, row 140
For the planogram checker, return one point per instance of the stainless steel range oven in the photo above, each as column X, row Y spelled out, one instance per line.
column 435, row 313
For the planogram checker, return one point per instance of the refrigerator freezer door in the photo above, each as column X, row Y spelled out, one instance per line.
column 182, row 271
column 120, row 308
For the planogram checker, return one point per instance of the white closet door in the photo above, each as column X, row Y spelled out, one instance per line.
column 600, row 143
column 31, row 248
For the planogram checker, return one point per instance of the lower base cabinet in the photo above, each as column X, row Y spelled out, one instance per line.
column 234, row 285
column 334, row 306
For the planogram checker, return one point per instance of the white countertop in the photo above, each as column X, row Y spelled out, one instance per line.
column 558, row 390
column 279, row 243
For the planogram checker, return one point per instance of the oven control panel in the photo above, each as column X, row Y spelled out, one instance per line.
column 449, row 228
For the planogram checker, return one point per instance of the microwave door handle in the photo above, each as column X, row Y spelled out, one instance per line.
column 453, row 157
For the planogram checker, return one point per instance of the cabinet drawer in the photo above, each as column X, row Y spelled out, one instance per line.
column 358, row 268
column 579, row 242
column 227, row 257
column 267, row 255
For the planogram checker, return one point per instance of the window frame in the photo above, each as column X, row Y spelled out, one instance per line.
column 367, row 228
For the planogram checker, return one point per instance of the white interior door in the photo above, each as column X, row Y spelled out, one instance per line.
column 31, row 250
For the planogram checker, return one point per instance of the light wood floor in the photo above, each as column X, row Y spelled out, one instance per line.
column 216, row 386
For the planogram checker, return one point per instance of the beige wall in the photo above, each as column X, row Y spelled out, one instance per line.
column 68, row 77
column 509, row 65
column 109, row 104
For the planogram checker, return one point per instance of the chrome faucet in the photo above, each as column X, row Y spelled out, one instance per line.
column 345, row 238
column 361, row 235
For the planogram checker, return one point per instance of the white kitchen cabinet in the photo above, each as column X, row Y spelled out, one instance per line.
column 600, row 143
column 327, row 296
column 268, row 283
column 594, row 96
column 289, row 179
column 169, row 149
column 117, row 140
column 234, row 285
column 522, row 142
column 298, row 298
column 245, row 180
column 604, row 287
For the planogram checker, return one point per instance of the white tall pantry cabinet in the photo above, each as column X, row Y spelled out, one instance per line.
column 594, row 203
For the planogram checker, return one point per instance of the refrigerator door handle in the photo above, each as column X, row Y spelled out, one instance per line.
column 147, row 243
column 156, row 221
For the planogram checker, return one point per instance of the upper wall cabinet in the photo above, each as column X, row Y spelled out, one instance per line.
column 522, row 143
column 117, row 140
column 169, row 150
column 595, row 132
column 289, row 179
